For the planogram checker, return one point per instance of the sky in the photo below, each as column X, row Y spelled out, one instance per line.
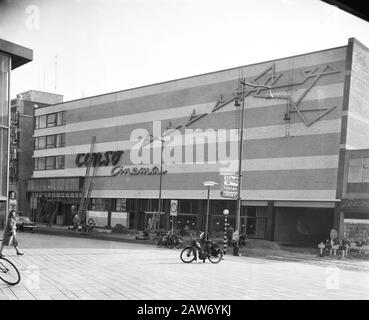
column 88, row 47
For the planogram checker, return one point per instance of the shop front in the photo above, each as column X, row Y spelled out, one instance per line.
column 54, row 200
column 303, row 224
column 356, row 219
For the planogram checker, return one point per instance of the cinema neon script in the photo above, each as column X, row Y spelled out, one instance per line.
column 135, row 171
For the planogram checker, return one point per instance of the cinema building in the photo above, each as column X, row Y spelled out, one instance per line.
column 296, row 144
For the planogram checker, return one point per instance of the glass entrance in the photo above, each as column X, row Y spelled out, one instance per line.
column 252, row 225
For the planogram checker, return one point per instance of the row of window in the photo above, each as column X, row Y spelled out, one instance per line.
column 49, row 163
column 52, row 141
column 150, row 205
column 358, row 170
column 48, row 195
column 100, row 204
column 51, row 120
column 54, row 184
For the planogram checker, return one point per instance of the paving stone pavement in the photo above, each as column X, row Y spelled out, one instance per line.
column 59, row 268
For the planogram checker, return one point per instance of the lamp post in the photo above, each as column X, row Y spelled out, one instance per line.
column 152, row 138
column 208, row 184
column 237, row 104
column 226, row 213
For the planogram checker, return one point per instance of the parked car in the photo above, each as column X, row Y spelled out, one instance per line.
column 25, row 223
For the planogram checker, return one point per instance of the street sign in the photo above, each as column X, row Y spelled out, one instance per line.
column 230, row 186
column 173, row 207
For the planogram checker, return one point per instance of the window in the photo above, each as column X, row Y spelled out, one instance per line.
column 39, row 163
column 40, row 143
column 50, row 163
column 144, row 205
column 355, row 173
column 60, row 162
column 51, row 141
column 60, row 140
column 366, row 170
column 130, row 204
column 41, row 122
column 185, row 206
column 61, row 118
column 188, row 206
column 121, row 205
column 51, row 120
column 98, row 204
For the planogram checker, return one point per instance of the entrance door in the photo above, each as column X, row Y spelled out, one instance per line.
column 253, row 227
column 68, row 211
column 141, row 221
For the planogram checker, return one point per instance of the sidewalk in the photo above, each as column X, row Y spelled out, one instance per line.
column 254, row 248
column 308, row 255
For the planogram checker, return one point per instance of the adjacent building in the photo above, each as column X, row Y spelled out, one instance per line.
column 355, row 197
column 12, row 56
column 297, row 146
column 22, row 143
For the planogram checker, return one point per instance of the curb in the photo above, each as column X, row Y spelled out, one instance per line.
column 92, row 236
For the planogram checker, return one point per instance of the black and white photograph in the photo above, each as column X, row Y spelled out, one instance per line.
column 196, row 152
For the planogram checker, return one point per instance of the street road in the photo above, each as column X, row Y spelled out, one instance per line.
column 55, row 267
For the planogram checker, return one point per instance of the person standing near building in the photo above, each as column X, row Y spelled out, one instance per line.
column 235, row 238
column 10, row 236
column 76, row 222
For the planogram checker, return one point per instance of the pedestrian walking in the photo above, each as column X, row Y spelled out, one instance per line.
column 235, row 238
column 10, row 235
column 76, row 221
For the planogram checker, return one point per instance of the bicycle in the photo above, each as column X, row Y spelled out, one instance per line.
column 165, row 240
column 9, row 272
column 211, row 251
column 177, row 241
column 169, row 240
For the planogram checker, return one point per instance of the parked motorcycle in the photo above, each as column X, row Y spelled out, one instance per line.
column 194, row 251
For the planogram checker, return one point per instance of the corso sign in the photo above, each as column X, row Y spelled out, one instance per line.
column 98, row 158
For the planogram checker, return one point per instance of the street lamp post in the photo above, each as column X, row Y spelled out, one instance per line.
column 244, row 84
column 161, row 174
column 161, row 170
column 208, row 184
column 225, row 212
